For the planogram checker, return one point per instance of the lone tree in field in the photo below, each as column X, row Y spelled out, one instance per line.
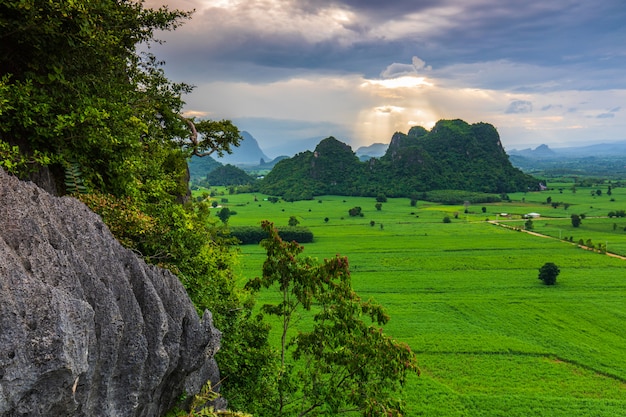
column 576, row 220
column 548, row 273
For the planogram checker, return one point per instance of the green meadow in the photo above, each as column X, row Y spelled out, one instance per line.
column 491, row 339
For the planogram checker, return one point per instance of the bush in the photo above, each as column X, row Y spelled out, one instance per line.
column 446, row 219
column 548, row 273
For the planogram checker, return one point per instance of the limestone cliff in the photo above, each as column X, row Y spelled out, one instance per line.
column 86, row 327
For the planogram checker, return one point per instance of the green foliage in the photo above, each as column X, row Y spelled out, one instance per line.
column 548, row 273
column 74, row 179
column 293, row 221
column 228, row 175
column 78, row 90
column 342, row 363
column 248, row 235
column 446, row 219
column 224, row 214
column 17, row 163
column 576, row 220
column 453, row 197
column 355, row 212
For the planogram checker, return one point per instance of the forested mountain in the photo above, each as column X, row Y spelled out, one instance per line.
column 453, row 155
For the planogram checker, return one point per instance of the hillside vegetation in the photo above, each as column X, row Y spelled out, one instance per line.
column 453, row 155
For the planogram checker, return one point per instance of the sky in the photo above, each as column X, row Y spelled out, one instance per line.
column 291, row 72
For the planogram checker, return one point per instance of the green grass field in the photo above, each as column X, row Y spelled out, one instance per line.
column 491, row 339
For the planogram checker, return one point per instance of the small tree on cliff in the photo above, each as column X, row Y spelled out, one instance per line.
column 341, row 363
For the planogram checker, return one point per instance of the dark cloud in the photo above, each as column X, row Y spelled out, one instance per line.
column 519, row 106
column 588, row 38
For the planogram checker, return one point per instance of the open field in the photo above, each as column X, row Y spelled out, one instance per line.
column 491, row 339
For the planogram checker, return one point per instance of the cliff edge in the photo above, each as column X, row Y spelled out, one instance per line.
column 86, row 327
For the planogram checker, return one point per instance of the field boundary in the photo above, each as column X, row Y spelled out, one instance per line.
column 530, row 232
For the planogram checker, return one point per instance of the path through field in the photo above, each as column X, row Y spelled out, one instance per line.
column 530, row 232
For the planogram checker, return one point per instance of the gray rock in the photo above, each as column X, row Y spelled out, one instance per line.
column 86, row 327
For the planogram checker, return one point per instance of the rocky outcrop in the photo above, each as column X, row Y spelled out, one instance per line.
column 86, row 327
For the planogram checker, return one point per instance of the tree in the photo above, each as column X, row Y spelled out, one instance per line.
column 379, row 206
column 355, row 211
column 224, row 214
column 293, row 221
column 576, row 220
column 341, row 362
column 78, row 93
column 548, row 273
column 446, row 219
column 528, row 225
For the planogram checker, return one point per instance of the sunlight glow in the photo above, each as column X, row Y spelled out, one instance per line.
column 400, row 82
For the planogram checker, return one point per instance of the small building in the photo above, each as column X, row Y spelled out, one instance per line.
column 532, row 215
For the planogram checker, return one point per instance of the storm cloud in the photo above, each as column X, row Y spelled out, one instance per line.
column 455, row 59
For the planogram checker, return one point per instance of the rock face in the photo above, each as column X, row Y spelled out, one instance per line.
column 86, row 327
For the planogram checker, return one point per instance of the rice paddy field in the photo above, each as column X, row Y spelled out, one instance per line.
column 491, row 339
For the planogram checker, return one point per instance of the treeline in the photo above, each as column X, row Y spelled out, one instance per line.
column 248, row 235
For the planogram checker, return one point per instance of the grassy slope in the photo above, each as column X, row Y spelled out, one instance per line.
column 491, row 339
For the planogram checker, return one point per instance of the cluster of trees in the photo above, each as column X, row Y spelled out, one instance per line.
column 453, row 155
column 254, row 235
column 83, row 112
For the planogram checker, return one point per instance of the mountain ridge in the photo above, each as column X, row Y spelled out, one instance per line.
column 453, row 155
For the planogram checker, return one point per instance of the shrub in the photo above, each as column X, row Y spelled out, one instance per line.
column 446, row 219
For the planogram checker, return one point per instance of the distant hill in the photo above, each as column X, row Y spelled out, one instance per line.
column 540, row 152
column 616, row 149
column 453, row 155
column 247, row 153
column 603, row 159
column 199, row 167
column 375, row 150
